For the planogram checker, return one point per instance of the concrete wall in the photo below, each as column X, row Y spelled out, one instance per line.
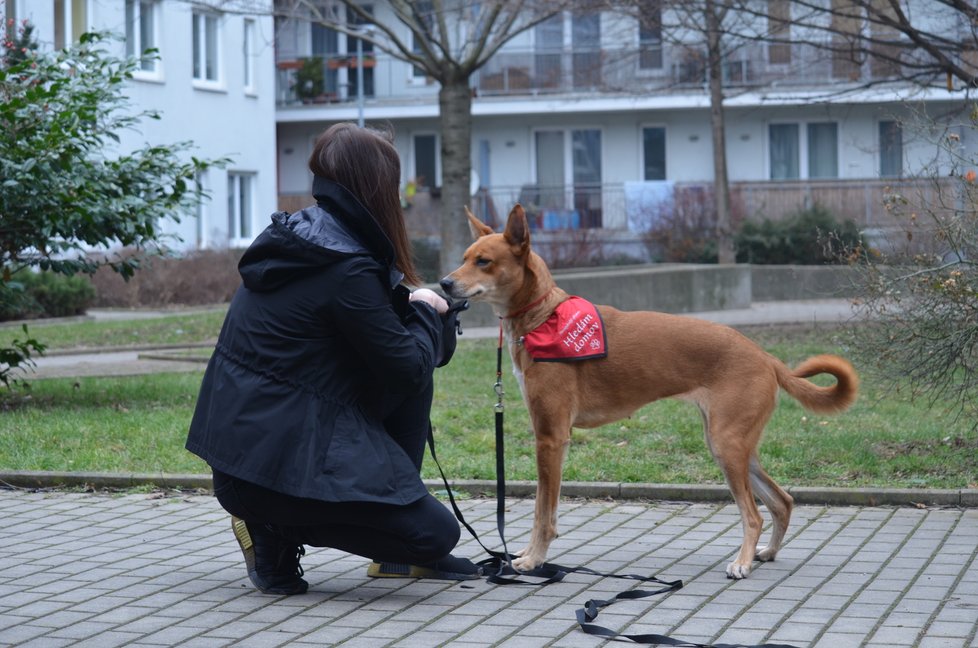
column 777, row 283
column 683, row 288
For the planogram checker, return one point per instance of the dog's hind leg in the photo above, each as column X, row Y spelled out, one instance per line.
column 732, row 435
column 777, row 501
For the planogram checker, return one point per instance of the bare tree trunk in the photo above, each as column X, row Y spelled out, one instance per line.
column 455, row 109
column 721, row 184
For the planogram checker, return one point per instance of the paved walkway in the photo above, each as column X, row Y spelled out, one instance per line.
column 81, row 569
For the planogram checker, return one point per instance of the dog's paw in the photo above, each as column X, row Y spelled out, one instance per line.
column 526, row 562
column 737, row 571
column 766, row 554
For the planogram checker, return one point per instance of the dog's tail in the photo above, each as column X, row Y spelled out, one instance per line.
column 834, row 398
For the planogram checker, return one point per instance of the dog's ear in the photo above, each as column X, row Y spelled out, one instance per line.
column 476, row 226
column 518, row 230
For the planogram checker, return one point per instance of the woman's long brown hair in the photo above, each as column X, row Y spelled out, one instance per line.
column 365, row 161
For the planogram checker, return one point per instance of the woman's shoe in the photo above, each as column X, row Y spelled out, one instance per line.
column 447, row 568
column 273, row 563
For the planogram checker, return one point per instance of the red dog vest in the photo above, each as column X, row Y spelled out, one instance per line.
column 573, row 332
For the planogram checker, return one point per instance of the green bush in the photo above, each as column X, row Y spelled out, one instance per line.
column 810, row 236
column 46, row 294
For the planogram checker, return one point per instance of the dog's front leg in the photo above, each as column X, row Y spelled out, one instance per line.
column 551, row 450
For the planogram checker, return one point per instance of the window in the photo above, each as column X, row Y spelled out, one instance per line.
column 891, row 149
column 814, row 156
column 783, row 145
column 425, row 161
column 650, row 36
column 779, row 26
column 70, row 21
column 354, row 19
column 549, row 43
column 202, row 213
column 141, row 33
column 426, row 11
column 654, row 153
column 325, row 46
column 568, row 171
column 240, row 204
column 845, row 27
column 206, row 34
column 823, row 150
column 249, row 48
column 886, row 43
column 586, row 50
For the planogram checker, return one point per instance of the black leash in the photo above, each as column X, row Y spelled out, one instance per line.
column 501, row 563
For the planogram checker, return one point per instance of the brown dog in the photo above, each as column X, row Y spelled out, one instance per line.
column 649, row 356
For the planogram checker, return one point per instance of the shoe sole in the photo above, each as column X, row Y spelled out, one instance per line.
column 400, row 570
column 247, row 545
column 241, row 534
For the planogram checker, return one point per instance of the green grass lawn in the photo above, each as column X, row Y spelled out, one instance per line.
column 139, row 424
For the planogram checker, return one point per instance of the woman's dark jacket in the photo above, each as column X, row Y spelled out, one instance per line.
column 310, row 349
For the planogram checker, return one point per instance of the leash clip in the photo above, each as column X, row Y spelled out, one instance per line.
column 498, row 388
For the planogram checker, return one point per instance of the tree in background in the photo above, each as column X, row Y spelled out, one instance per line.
column 919, row 286
column 450, row 40
column 708, row 38
column 68, row 200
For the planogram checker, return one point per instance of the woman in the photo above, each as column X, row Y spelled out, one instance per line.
column 313, row 411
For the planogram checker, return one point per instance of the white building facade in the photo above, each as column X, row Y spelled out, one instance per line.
column 580, row 115
column 213, row 84
column 583, row 119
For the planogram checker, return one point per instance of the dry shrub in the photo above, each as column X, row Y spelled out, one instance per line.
column 192, row 279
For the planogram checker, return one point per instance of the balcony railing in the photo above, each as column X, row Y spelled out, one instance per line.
column 649, row 69
column 608, row 205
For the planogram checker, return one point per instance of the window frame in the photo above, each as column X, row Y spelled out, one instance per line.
column 135, row 47
column 650, row 47
column 812, row 150
column 665, row 151
column 572, row 191
column 803, row 149
column 241, row 218
column 432, row 183
column 200, row 48
column 71, row 20
column 249, row 34
column 885, row 150
column 419, row 76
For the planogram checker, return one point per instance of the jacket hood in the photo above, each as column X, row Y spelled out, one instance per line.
column 337, row 227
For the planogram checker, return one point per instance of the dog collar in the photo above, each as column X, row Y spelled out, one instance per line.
column 536, row 302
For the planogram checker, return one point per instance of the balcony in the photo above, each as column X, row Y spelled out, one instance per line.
column 612, row 208
column 648, row 70
column 322, row 79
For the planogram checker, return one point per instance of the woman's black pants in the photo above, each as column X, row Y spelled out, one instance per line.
column 414, row 533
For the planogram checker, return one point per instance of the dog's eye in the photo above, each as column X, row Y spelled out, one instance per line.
column 482, row 263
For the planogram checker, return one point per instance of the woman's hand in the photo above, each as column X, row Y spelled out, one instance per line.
column 431, row 298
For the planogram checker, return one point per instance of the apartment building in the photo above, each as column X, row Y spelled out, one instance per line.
column 213, row 84
column 590, row 118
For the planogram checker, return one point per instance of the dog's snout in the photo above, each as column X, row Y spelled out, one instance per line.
column 447, row 284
